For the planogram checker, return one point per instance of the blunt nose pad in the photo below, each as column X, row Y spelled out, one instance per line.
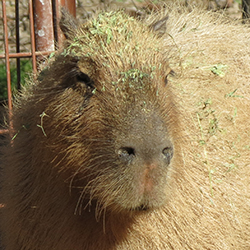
column 126, row 154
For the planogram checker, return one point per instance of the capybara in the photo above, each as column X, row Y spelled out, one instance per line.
column 134, row 136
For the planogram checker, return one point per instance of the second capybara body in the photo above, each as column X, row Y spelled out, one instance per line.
column 111, row 150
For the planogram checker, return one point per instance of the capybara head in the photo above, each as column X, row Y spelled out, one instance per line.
column 110, row 153
column 107, row 118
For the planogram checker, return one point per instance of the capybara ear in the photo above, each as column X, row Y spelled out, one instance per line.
column 160, row 26
column 68, row 23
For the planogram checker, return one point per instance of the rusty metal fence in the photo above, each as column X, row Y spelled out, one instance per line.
column 45, row 36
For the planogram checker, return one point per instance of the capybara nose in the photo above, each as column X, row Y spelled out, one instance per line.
column 168, row 153
column 146, row 153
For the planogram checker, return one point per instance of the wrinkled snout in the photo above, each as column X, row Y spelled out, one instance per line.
column 146, row 153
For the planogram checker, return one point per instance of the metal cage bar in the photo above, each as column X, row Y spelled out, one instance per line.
column 43, row 40
column 7, row 61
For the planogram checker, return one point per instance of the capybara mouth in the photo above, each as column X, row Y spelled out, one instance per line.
column 142, row 208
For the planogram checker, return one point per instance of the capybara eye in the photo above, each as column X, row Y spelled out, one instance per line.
column 172, row 73
column 166, row 80
column 126, row 153
column 84, row 78
column 168, row 154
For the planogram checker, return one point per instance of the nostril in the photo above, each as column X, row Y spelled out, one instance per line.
column 168, row 153
column 126, row 153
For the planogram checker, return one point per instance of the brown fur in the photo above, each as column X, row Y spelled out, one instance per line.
column 70, row 179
